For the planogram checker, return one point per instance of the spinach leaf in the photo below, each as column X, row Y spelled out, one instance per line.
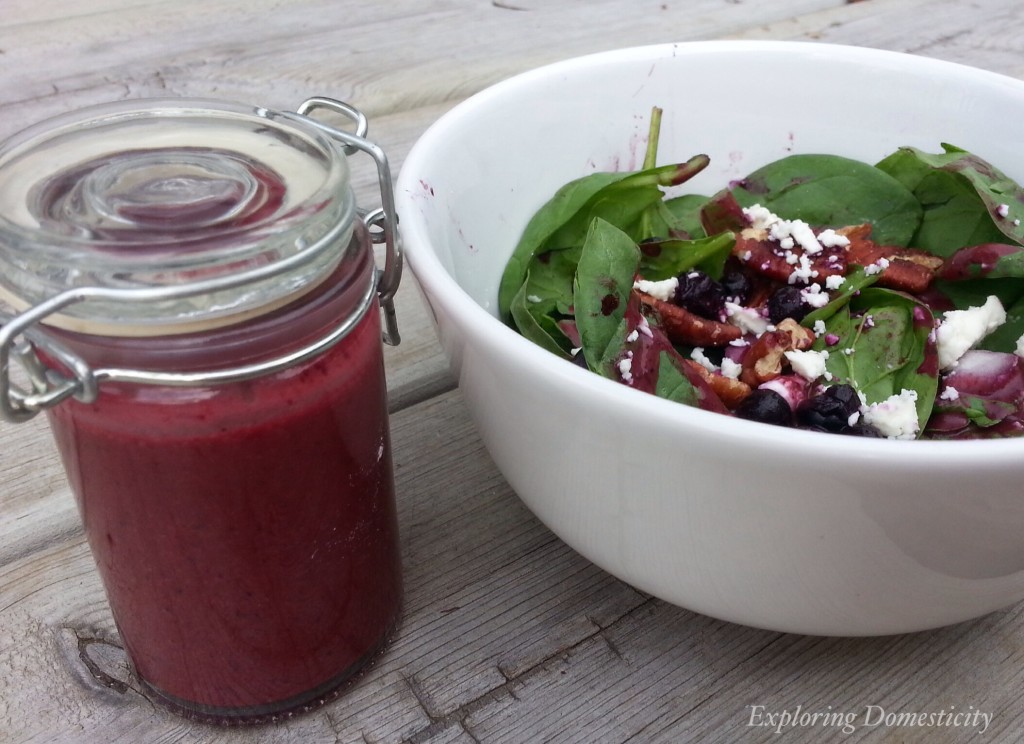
column 827, row 190
column 537, row 327
column 545, row 299
column 1004, row 338
column 686, row 210
column 630, row 201
column 978, row 410
column 961, row 295
column 673, row 384
column 662, row 259
column 549, row 281
column 601, row 289
column 856, row 280
column 962, row 196
column 566, row 204
column 884, row 348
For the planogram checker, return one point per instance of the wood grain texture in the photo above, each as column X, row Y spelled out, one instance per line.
column 984, row 33
column 508, row 635
column 382, row 56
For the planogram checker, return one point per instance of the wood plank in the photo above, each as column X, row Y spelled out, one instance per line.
column 662, row 674
column 989, row 35
column 385, row 57
column 24, row 12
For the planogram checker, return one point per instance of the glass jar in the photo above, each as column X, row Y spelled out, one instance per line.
column 198, row 311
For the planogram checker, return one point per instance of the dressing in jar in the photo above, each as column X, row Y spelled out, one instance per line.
column 197, row 309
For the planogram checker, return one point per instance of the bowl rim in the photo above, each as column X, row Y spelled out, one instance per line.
column 477, row 322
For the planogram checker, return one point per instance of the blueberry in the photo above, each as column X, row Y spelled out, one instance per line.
column 824, row 413
column 787, row 303
column 861, row 429
column 737, row 286
column 700, row 294
column 845, row 394
column 765, row 406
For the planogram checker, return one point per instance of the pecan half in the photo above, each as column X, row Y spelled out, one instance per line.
column 731, row 392
column 765, row 358
column 766, row 257
column 909, row 269
column 684, row 327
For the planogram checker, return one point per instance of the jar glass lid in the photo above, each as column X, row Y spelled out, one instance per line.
column 150, row 194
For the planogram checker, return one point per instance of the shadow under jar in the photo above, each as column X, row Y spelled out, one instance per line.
column 199, row 312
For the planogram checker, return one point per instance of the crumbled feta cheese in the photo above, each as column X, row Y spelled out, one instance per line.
column 804, row 235
column 664, row 290
column 835, row 281
column 626, row 368
column 896, row 416
column 745, row 256
column 853, row 419
column 731, row 369
column 960, row 330
column 759, row 217
column 644, row 327
column 1016, row 223
column 746, row 319
column 744, row 342
column 1003, row 209
column 818, row 327
column 877, row 267
column 950, row 393
column 802, row 273
column 813, row 296
column 533, row 298
column 701, row 358
column 633, row 336
column 778, row 230
column 1020, row 347
column 831, row 239
column 788, row 233
column 809, row 364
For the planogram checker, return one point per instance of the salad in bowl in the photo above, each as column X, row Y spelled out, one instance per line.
column 818, row 292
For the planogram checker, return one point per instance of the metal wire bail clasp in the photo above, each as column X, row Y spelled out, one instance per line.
column 46, row 386
column 383, row 221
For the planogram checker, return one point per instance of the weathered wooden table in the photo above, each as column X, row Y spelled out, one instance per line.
column 508, row 636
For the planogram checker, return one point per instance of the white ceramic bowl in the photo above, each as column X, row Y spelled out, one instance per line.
column 777, row 528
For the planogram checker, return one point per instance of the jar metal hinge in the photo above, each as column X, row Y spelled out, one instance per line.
column 43, row 387
column 383, row 221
